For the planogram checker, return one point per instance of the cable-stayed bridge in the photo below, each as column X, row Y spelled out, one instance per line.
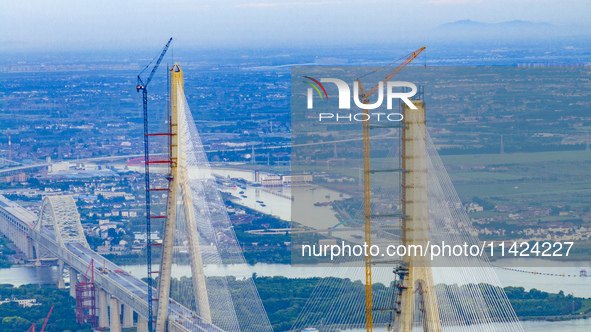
column 408, row 201
column 196, row 219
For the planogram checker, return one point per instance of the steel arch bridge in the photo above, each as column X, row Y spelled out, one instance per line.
column 57, row 234
column 60, row 216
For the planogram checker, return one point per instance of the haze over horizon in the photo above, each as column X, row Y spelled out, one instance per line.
column 66, row 25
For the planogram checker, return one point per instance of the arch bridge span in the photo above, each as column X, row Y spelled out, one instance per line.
column 57, row 234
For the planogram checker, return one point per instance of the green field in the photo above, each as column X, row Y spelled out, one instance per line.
column 535, row 186
column 517, row 158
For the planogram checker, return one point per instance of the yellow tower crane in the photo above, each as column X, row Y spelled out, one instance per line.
column 364, row 97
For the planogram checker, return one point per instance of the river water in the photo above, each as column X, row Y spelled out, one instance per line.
column 581, row 325
column 275, row 200
column 579, row 286
column 280, row 206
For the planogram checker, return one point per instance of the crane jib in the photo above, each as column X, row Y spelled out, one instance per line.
column 141, row 85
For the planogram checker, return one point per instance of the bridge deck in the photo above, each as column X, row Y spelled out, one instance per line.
column 180, row 314
column 128, row 289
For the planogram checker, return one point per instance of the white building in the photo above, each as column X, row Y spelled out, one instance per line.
column 25, row 303
column 63, row 166
column 473, row 207
column 290, row 180
column 272, row 181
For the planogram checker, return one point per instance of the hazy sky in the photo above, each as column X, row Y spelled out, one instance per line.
column 85, row 24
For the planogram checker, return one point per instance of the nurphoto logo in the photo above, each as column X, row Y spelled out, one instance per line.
column 344, row 94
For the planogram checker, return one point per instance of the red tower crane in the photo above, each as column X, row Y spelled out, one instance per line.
column 32, row 328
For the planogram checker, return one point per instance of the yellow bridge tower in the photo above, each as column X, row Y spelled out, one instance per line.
column 179, row 189
column 415, row 272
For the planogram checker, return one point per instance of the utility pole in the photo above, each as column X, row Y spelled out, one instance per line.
column 10, row 148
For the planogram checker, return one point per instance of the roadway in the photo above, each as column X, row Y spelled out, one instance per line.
column 113, row 274
column 20, row 168
column 389, row 133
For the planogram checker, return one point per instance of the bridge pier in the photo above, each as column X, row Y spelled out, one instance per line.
column 30, row 250
column 61, row 284
column 142, row 324
column 127, row 316
column 58, row 235
column 103, row 309
column 14, row 224
column 115, row 315
column 73, row 281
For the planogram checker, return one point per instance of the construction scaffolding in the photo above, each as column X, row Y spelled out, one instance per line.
column 86, row 299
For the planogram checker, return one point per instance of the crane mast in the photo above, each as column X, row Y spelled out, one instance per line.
column 143, row 87
column 364, row 97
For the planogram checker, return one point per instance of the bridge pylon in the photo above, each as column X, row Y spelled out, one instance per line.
column 179, row 190
column 415, row 273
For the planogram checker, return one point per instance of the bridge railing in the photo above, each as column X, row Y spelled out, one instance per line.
column 128, row 298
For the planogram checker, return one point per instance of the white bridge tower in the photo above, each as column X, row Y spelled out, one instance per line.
column 179, row 190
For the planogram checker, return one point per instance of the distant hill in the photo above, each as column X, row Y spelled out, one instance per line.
column 469, row 24
column 518, row 29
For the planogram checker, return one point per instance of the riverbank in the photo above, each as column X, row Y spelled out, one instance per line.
column 14, row 317
column 7, row 252
column 555, row 318
column 267, row 274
